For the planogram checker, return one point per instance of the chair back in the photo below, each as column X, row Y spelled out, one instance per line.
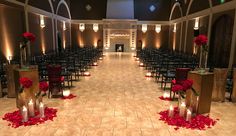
column 54, row 73
column 181, row 74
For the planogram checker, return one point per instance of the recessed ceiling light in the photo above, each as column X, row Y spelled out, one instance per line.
column 88, row 7
column 152, row 8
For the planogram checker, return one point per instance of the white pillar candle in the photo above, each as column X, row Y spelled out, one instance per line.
column 66, row 93
column 189, row 115
column 171, row 111
column 31, row 108
column 182, row 109
column 24, row 114
column 41, row 109
column 165, row 95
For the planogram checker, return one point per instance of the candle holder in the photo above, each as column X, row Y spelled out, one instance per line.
column 41, row 110
column 66, row 93
column 171, row 111
column 24, row 113
column 31, row 108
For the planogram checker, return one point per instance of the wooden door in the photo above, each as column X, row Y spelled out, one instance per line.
column 220, row 43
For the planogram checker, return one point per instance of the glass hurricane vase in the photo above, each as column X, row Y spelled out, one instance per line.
column 203, row 60
column 23, row 58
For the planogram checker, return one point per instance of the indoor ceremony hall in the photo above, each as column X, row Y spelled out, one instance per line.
column 117, row 67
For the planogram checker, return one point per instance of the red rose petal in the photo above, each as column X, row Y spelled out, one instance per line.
column 198, row 122
column 15, row 118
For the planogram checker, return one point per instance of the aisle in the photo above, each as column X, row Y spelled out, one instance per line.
column 116, row 100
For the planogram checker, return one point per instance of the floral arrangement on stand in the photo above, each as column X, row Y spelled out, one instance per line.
column 201, row 42
column 182, row 116
column 33, row 111
column 27, row 38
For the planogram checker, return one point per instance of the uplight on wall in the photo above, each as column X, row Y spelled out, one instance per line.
column 42, row 22
column 64, row 25
column 144, row 28
column 158, row 28
column 95, row 27
column 81, row 27
column 174, row 30
column 196, row 24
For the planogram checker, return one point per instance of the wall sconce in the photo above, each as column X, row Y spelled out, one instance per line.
column 42, row 22
column 9, row 59
column 144, row 28
column 64, row 25
column 174, row 30
column 196, row 24
column 158, row 28
column 95, row 27
column 81, row 27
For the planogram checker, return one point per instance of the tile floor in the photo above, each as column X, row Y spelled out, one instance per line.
column 116, row 100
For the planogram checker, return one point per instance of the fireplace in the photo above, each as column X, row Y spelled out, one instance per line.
column 119, row 48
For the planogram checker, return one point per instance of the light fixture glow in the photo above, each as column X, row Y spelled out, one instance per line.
column 42, row 22
column 196, row 24
column 95, row 27
column 158, row 28
column 174, row 30
column 9, row 59
column 144, row 28
column 81, row 27
column 64, row 25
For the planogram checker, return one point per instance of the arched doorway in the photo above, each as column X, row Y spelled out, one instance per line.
column 220, row 43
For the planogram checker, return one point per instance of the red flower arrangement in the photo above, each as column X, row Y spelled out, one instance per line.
column 187, row 84
column 198, row 122
column 177, row 88
column 27, row 37
column 201, row 40
column 25, row 82
column 15, row 118
column 43, row 86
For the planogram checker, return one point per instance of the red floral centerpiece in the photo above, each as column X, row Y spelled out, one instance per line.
column 201, row 42
column 27, row 37
column 25, row 83
column 43, row 88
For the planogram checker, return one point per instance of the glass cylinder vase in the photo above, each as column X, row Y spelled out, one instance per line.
column 23, row 58
column 202, row 60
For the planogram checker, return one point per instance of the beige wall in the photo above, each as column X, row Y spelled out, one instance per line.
column 153, row 39
column 12, row 26
column 44, row 36
column 86, row 38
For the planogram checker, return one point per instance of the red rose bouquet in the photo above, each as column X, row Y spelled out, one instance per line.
column 201, row 41
column 25, row 83
column 43, row 87
column 27, row 37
